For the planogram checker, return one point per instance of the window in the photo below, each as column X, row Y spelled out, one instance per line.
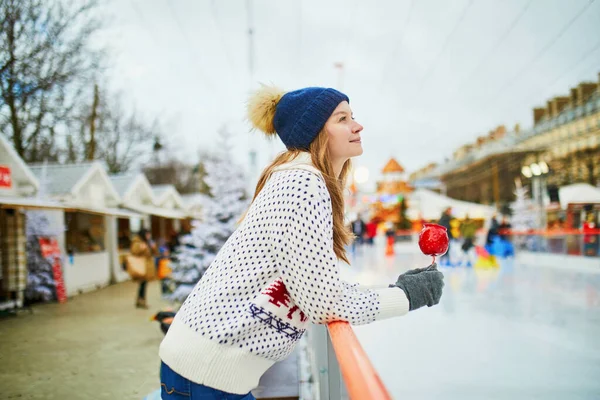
column 127, row 229
column 124, row 233
column 85, row 232
column 589, row 108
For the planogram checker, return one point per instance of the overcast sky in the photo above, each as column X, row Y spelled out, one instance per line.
column 423, row 76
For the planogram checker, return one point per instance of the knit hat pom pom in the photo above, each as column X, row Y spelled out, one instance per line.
column 261, row 108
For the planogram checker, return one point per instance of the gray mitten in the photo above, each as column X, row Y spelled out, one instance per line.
column 423, row 286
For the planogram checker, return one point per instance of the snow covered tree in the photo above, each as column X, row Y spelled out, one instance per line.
column 524, row 217
column 524, row 212
column 221, row 209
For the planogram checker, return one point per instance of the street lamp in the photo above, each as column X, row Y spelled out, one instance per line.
column 537, row 172
column 361, row 175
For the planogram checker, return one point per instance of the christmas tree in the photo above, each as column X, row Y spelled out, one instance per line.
column 403, row 222
column 221, row 209
column 40, row 279
column 524, row 216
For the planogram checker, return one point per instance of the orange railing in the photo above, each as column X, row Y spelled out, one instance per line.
column 362, row 381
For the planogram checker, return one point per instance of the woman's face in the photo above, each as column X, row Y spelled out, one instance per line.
column 344, row 133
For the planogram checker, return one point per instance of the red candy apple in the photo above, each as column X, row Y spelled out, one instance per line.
column 433, row 240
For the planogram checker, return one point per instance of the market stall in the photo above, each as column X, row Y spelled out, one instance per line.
column 91, row 207
column 136, row 194
column 168, row 223
column 18, row 190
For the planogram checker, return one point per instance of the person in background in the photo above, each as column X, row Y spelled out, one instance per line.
column 164, row 267
column 371, row 231
column 468, row 229
column 493, row 231
column 590, row 238
column 358, row 229
column 504, row 229
column 445, row 222
column 143, row 246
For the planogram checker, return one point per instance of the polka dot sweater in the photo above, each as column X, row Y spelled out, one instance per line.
column 276, row 274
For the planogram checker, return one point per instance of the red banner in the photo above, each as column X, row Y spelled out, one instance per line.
column 50, row 249
column 5, row 178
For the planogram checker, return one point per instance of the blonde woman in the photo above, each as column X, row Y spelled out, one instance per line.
column 279, row 271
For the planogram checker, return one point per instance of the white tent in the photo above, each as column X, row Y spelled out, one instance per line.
column 578, row 193
column 423, row 203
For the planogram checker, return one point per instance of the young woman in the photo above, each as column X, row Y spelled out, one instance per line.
column 278, row 272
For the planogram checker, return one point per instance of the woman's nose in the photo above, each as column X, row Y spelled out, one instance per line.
column 357, row 127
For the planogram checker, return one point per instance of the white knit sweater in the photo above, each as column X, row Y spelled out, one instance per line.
column 276, row 274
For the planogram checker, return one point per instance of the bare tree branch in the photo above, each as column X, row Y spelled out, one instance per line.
column 45, row 58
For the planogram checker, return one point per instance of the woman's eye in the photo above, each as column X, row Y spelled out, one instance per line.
column 342, row 119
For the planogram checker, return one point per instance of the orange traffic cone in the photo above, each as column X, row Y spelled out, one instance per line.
column 389, row 249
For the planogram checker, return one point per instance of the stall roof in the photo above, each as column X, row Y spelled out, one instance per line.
column 17, row 161
column 578, row 193
column 68, row 175
column 30, row 202
column 66, row 179
column 117, row 212
column 126, row 185
column 194, row 203
column 36, row 203
column 163, row 192
column 123, row 182
column 158, row 211
column 430, row 205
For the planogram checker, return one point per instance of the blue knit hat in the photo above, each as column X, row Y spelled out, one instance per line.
column 297, row 117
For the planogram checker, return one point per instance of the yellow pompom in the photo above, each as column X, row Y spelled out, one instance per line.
column 261, row 107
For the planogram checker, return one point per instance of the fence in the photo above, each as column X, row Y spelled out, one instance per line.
column 573, row 242
column 342, row 366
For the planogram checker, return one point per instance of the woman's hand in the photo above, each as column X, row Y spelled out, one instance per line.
column 423, row 286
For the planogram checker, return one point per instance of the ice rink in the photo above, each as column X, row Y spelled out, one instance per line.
column 517, row 332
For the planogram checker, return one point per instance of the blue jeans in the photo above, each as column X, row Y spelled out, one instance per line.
column 175, row 387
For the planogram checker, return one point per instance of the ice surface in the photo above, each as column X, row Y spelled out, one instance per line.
column 518, row 332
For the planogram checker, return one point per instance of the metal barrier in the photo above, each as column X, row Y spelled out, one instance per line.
column 564, row 241
column 344, row 369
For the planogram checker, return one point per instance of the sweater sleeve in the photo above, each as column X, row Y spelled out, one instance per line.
column 309, row 268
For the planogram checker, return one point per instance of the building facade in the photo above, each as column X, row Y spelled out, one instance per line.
column 565, row 135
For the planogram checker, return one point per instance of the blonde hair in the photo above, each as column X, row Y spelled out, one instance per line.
column 261, row 111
